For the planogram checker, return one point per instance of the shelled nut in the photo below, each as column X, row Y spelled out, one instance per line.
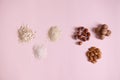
column 93, row 54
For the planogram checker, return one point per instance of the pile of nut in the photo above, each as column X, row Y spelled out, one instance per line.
column 93, row 54
column 82, row 34
column 25, row 34
column 102, row 31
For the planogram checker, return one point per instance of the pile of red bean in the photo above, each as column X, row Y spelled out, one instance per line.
column 82, row 34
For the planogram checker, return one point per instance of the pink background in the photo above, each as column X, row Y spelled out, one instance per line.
column 65, row 60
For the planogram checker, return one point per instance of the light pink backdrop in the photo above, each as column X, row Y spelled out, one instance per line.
column 65, row 61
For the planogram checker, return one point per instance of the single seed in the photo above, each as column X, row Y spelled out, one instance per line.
column 103, row 31
column 102, row 37
column 108, row 33
column 79, row 43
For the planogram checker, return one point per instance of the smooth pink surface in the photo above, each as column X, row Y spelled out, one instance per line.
column 65, row 61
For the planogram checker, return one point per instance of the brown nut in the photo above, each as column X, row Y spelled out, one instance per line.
column 77, row 33
column 93, row 62
column 88, row 34
column 85, row 30
column 96, row 53
column 83, row 39
column 102, row 37
column 96, row 57
column 78, row 29
column 103, row 31
column 91, row 58
column 84, row 34
column 104, row 26
column 97, row 29
column 75, row 37
column 91, row 49
column 87, row 38
column 79, row 37
column 92, row 54
column 79, row 43
column 108, row 33
column 99, row 56
column 87, row 54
